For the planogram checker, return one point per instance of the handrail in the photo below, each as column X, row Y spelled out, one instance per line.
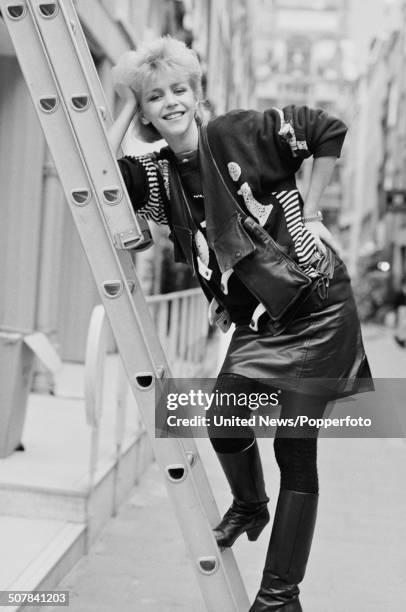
column 96, row 347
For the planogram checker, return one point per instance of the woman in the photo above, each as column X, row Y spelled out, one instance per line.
column 267, row 263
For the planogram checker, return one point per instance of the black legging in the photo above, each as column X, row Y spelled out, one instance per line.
column 296, row 456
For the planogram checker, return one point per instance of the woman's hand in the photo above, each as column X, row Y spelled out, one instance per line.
column 323, row 235
column 121, row 124
column 123, row 76
column 322, row 171
column 126, row 94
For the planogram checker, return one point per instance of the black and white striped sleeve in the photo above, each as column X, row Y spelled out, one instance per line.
column 145, row 187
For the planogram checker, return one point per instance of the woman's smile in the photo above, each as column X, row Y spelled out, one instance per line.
column 174, row 115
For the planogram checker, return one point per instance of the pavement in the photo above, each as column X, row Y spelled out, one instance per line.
column 358, row 558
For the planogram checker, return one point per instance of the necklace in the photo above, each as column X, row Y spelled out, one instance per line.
column 186, row 156
column 186, row 153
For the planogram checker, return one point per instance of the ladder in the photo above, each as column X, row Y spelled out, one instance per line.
column 68, row 97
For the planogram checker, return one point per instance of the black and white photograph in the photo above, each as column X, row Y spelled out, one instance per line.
column 202, row 305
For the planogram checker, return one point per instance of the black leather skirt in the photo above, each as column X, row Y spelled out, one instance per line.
column 320, row 352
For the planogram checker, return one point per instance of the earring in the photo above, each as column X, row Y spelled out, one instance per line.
column 144, row 120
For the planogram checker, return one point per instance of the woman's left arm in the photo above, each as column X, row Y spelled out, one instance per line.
column 320, row 177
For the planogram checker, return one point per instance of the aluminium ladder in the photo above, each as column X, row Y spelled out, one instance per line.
column 67, row 95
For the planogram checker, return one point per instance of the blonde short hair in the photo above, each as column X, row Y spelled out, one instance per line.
column 135, row 68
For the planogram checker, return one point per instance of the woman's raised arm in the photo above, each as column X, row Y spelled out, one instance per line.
column 118, row 129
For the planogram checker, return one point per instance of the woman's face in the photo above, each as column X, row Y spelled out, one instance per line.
column 169, row 103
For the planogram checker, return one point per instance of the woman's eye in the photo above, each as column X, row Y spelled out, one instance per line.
column 179, row 91
column 154, row 97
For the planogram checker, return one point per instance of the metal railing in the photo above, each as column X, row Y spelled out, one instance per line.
column 182, row 325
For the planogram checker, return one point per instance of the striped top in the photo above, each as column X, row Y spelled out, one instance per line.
column 152, row 208
column 303, row 240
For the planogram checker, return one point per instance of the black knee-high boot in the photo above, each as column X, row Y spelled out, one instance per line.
column 288, row 552
column 249, row 512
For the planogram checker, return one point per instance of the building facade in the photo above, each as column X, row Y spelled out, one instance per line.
column 302, row 58
column 374, row 207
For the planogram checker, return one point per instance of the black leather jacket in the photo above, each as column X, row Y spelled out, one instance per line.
column 240, row 243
